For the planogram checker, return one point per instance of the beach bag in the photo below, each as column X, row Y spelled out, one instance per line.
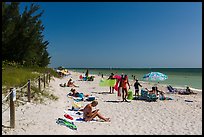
column 80, row 77
column 144, row 94
column 91, row 98
column 84, row 78
column 81, row 95
column 130, row 94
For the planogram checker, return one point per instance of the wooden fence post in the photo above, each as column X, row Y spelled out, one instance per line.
column 44, row 80
column 49, row 77
column 39, row 83
column 28, row 90
column 12, row 107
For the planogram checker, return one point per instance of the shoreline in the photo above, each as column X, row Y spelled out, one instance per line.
column 168, row 117
column 119, row 71
column 146, row 82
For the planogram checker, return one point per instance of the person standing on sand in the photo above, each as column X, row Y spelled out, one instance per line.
column 111, row 77
column 124, row 84
column 89, row 115
column 87, row 73
column 136, row 85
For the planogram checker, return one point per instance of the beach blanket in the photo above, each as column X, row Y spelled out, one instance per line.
column 78, row 99
column 77, row 116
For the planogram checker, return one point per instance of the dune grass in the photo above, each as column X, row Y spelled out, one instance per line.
column 17, row 76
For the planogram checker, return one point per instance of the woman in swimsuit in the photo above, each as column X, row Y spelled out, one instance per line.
column 88, row 114
column 124, row 84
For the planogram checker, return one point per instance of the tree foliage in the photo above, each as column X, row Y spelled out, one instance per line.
column 22, row 38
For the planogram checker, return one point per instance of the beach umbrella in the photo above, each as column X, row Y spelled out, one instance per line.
column 155, row 76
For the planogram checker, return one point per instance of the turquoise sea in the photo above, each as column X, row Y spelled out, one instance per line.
column 177, row 77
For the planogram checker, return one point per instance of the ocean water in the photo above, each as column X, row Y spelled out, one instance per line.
column 177, row 77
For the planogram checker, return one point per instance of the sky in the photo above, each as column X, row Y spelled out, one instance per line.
column 123, row 34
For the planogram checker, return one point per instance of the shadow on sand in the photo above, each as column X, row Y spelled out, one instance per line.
column 105, row 92
column 116, row 101
column 3, row 126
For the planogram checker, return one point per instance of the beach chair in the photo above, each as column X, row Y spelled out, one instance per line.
column 144, row 94
column 171, row 89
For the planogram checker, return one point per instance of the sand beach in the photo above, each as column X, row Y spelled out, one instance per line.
column 137, row 117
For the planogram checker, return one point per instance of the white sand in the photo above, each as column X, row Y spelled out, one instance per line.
column 169, row 117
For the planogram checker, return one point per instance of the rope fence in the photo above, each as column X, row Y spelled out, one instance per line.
column 13, row 91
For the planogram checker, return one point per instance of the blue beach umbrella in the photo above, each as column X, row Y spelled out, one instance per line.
column 155, row 76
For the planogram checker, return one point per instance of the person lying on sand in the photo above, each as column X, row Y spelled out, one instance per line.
column 89, row 115
column 161, row 95
column 186, row 92
column 74, row 93
column 158, row 91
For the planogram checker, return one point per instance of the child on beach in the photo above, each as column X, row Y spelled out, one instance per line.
column 136, row 85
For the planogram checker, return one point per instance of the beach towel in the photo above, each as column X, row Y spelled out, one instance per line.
column 76, row 116
column 151, row 97
column 165, row 98
column 77, row 99
column 116, row 85
column 66, row 123
column 107, row 82
column 81, row 119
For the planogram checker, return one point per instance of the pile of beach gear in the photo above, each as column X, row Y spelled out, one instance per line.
column 146, row 96
column 84, row 78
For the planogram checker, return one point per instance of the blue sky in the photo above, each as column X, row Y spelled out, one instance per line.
column 123, row 34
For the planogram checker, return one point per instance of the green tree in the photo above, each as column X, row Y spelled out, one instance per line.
column 22, row 39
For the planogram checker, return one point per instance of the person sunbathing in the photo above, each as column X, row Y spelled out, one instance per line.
column 187, row 91
column 74, row 93
column 70, row 83
column 153, row 91
column 89, row 115
column 158, row 91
